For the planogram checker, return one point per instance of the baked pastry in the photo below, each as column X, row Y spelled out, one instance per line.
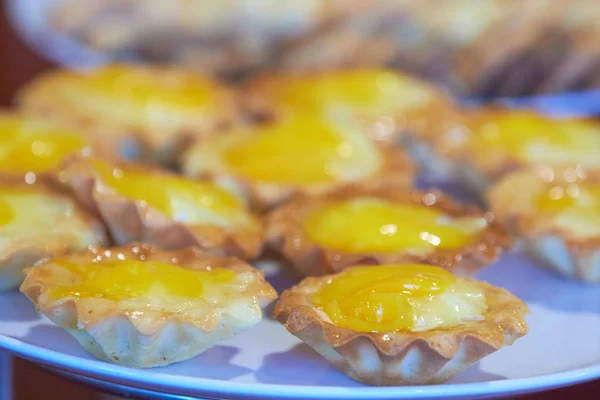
column 142, row 110
column 37, row 222
column 325, row 234
column 401, row 324
column 30, row 146
column 303, row 154
column 142, row 307
column 149, row 205
column 497, row 141
column 388, row 103
column 556, row 213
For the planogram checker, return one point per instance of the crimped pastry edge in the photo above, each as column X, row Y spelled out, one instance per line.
column 395, row 359
column 131, row 220
column 119, row 337
column 285, row 235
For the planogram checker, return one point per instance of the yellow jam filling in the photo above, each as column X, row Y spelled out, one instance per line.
column 375, row 225
column 6, row 212
column 184, row 200
column 403, row 297
column 538, row 138
column 364, row 89
column 27, row 146
column 127, row 94
column 301, row 152
column 128, row 279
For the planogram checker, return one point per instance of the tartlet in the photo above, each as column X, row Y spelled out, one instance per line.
column 31, row 146
column 270, row 162
column 38, row 222
column 556, row 213
column 386, row 102
column 142, row 307
column 325, row 234
column 401, row 324
column 144, row 111
column 140, row 203
column 496, row 141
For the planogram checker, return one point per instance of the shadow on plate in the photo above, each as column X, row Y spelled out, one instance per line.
column 16, row 307
column 527, row 279
column 300, row 365
column 214, row 363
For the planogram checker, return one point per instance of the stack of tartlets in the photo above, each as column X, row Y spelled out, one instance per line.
column 314, row 171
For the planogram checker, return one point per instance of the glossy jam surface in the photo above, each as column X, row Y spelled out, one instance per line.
column 27, row 146
column 32, row 218
column 182, row 199
column 139, row 96
column 376, row 225
column 363, row 89
column 537, row 138
column 128, row 279
column 301, row 152
column 403, row 297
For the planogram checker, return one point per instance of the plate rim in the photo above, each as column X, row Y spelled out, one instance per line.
column 183, row 385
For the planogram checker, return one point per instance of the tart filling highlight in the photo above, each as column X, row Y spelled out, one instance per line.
column 30, row 145
column 306, row 153
column 166, row 210
column 358, row 225
column 401, row 324
column 142, row 307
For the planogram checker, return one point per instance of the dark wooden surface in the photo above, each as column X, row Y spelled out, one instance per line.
column 18, row 64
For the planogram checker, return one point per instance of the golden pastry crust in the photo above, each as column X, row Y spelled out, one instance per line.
column 130, row 220
column 569, row 250
column 205, row 162
column 16, row 256
column 489, row 163
column 402, row 358
column 148, row 337
column 286, row 234
column 161, row 133
column 435, row 115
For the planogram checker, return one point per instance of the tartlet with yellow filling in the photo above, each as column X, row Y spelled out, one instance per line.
column 139, row 203
column 387, row 102
column 305, row 154
column 142, row 307
column 497, row 141
column 401, row 324
column 556, row 213
column 38, row 222
column 30, row 146
column 325, row 234
column 143, row 110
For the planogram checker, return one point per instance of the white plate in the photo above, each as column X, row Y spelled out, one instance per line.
column 563, row 348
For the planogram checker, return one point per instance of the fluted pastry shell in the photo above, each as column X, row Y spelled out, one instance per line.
column 159, row 136
column 146, row 337
column 131, row 220
column 418, row 108
column 286, row 234
column 205, row 161
column 402, row 358
column 51, row 241
column 569, row 250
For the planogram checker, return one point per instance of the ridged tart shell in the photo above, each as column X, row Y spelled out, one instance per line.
column 144, row 338
column 20, row 255
column 286, row 234
column 130, row 220
column 568, row 251
column 160, row 136
column 402, row 358
column 434, row 116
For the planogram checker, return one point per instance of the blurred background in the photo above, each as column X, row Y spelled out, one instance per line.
column 476, row 49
